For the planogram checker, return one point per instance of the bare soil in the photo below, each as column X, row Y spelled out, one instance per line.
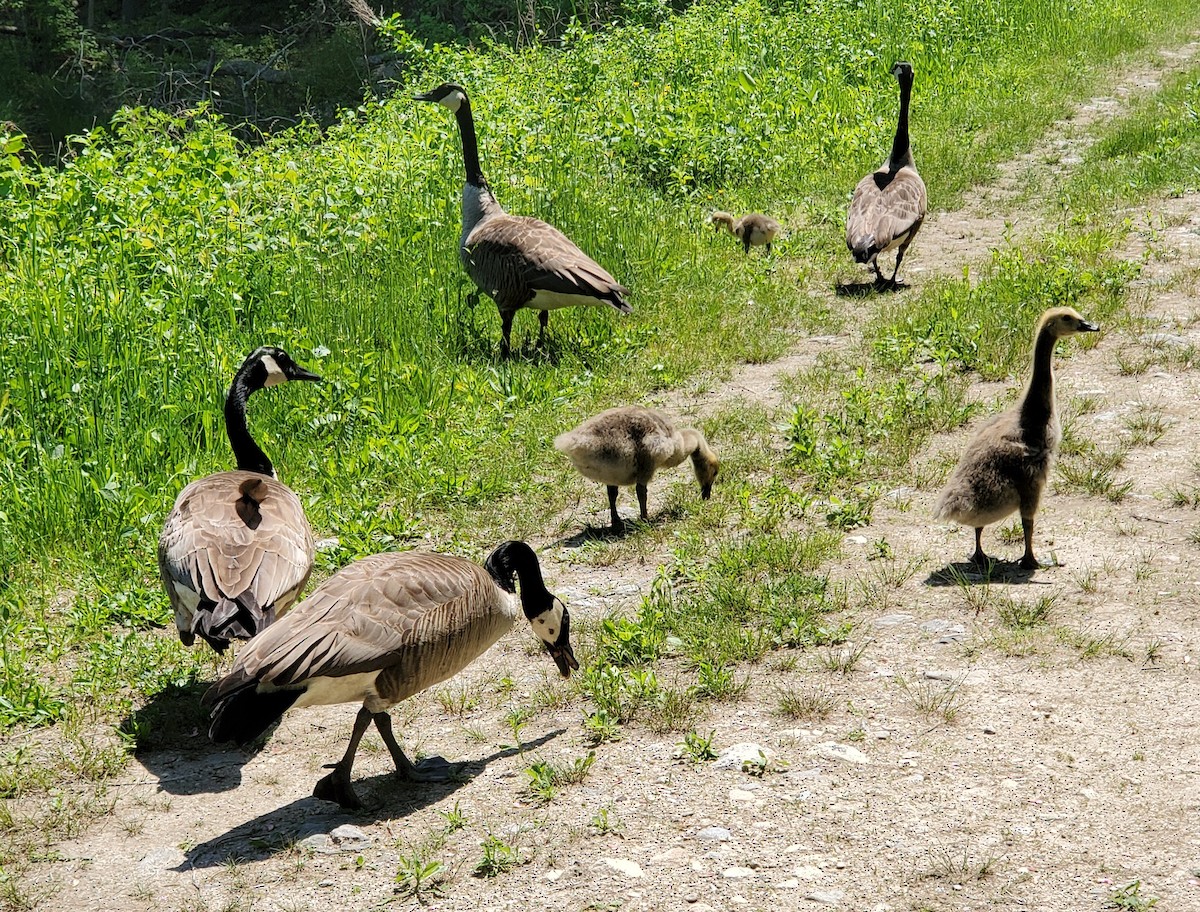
column 999, row 769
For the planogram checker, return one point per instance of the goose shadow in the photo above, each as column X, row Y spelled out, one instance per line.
column 386, row 797
column 966, row 573
column 590, row 533
column 862, row 289
column 170, row 737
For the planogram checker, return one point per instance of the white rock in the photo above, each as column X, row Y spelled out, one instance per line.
column 349, row 838
column 740, row 795
column 161, row 860
column 832, row 897
column 624, row 866
column 856, row 539
column 835, row 751
column 553, row 875
column 671, row 856
column 892, row 620
column 736, row 873
column 734, row 756
column 790, row 884
column 714, row 834
column 809, row 872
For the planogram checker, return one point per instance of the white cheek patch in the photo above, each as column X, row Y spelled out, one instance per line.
column 454, row 101
column 275, row 374
column 548, row 624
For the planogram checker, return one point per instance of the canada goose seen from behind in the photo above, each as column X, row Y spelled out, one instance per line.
column 628, row 444
column 1005, row 466
column 889, row 204
column 378, row 631
column 236, row 549
column 753, row 230
column 519, row 262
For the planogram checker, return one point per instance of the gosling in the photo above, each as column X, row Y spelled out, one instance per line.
column 1005, row 466
column 627, row 445
column 754, row 230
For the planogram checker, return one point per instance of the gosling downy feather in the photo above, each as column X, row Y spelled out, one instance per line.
column 236, row 549
column 889, row 205
column 628, row 444
column 519, row 262
column 753, row 230
column 1005, row 466
column 378, row 631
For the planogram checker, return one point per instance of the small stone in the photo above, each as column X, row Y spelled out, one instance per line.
column 893, row 620
column 740, row 795
column 856, row 539
column 691, row 898
column 835, row 751
column 326, row 883
column 349, row 838
column 809, row 872
column 553, row 875
column 671, row 856
column 989, row 729
column 1009, row 784
column 1089, row 794
column 318, row 842
column 736, row 873
column 790, row 884
column 714, row 834
column 736, row 756
column 624, row 866
column 830, row 897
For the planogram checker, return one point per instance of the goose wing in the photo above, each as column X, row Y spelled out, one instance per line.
column 886, row 206
column 234, row 533
column 512, row 253
column 366, row 613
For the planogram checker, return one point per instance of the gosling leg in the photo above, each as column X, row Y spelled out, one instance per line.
column 641, row 494
column 336, row 786
column 979, row 557
column 1028, row 561
column 617, row 524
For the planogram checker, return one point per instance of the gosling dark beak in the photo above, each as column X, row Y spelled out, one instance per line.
column 1085, row 326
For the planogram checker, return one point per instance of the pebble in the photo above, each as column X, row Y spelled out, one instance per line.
column 856, row 539
column 790, row 884
column 624, row 866
column 326, row 883
column 161, row 860
column 671, row 856
column 691, row 898
column 554, row 875
column 954, row 677
column 735, row 873
column 989, row 729
column 349, row 838
column 893, row 620
column 809, row 872
column 740, row 795
column 734, row 756
column 945, row 631
column 834, row 751
column 831, row 897
column 714, row 834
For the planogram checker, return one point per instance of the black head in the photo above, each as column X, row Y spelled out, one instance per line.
column 903, row 71
column 268, row 366
column 546, row 613
column 448, row 94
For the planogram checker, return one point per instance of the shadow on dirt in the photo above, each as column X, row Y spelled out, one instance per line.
column 386, row 797
column 862, row 289
column 965, row 573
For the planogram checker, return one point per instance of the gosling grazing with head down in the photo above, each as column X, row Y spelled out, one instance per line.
column 753, row 230
column 519, row 262
column 1005, row 466
column 236, row 549
column 378, row 631
column 627, row 445
column 889, row 204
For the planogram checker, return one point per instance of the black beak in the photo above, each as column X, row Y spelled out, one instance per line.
column 561, row 651
column 301, row 374
column 1085, row 326
column 424, row 96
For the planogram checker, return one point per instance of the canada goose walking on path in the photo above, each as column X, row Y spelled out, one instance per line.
column 236, row 548
column 628, row 444
column 378, row 631
column 753, row 230
column 519, row 261
column 1006, row 464
column 888, row 206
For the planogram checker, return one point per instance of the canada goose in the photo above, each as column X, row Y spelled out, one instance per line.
column 1005, row 466
column 889, row 204
column 516, row 260
column 236, row 548
column 380, row 630
column 754, row 230
column 628, row 444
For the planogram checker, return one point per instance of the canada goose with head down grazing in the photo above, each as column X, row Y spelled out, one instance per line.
column 378, row 631
column 236, row 548
column 627, row 445
column 1005, row 466
column 889, row 204
column 519, row 261
column 753, row 230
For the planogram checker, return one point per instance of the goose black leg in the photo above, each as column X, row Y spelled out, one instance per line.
column 617, row 524
column 1028, row 561
column 506, row 321
column 641, row 494
column 979, row 557
column 543, row 322
column 336, row 786
column 431, row 769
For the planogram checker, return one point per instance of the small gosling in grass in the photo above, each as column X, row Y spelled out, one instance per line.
column 753, row 230
column 627, row 445
column 1005, row 466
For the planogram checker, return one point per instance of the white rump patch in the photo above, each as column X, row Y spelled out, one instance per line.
column 553, row 300
column 275, row 374
column 354, row 688
column 548, row 624
column 187, row 601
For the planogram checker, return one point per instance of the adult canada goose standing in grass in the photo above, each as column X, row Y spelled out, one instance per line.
column 378, row 631
column 889, row 204
column 628, row 444
column 237, row 549
column 519, row 261
column 753, row 230
column 1005, row 466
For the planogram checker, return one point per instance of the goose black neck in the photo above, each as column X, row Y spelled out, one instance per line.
column 516, row 559
column 1038, row 404
column 470, row 146
column 901, row 154
column 249, row 455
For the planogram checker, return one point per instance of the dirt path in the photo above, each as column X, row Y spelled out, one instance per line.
column 963, row 765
